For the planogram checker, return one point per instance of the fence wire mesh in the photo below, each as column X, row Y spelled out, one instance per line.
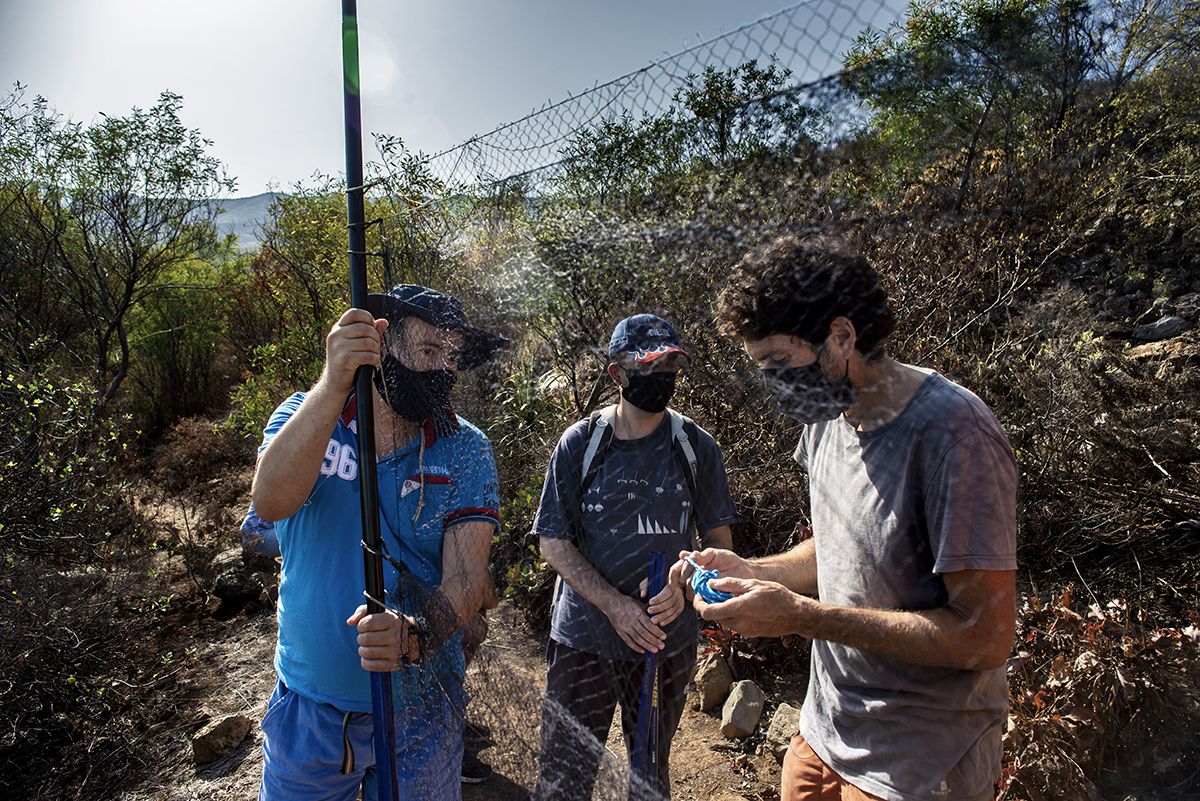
column 640, row 195
column 807, row 42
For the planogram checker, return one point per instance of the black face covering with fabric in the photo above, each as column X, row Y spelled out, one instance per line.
column 650, row 392
column 806, row 395
column 417, row 395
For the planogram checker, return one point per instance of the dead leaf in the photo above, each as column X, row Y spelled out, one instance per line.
column 1128, row 688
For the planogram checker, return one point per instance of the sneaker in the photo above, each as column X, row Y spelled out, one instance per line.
column 474, row 770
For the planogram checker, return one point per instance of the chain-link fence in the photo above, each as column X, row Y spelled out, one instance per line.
column 806, row 42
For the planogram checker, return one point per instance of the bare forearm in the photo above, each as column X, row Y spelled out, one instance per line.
column 579, row 573
column 972, row 631
column 462, row 599
column 465, row 552
column 795, row 569
column 935, row 637
column 289, row 466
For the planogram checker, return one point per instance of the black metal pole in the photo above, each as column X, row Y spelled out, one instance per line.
column 381, row 683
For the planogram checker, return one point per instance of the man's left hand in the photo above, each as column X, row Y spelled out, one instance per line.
column 666, row 606
column 758, row 608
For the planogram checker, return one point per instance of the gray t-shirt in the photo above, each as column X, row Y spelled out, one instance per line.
column 931, row 492
column 637, row 502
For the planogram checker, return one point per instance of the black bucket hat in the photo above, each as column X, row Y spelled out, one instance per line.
column 439, row 309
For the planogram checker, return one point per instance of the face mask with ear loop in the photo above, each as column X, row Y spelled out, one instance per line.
column 650, row 392
column 417, row 395
column 806, row 394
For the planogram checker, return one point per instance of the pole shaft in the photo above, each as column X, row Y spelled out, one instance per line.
column 381, row 683
column 645, row 748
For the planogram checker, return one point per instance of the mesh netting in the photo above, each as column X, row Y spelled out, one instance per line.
column 806, row 41
column 639, row 196
column 552, row 228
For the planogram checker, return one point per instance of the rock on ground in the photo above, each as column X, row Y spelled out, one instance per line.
column 1174, row 355
column 1163, row 328
column 713, row 680
column 742, row 710
column 785, row 724
column 218, row 738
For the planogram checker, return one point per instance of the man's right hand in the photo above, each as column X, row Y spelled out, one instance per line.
column 727, row 563
column 354, row 341
column 386, row 640
column 628, row 616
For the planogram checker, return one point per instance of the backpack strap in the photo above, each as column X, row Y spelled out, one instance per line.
column 683, row 436
column 600, row 434
column 683, row 429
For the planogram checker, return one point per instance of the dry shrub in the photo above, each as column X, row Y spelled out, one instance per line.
column 81, row 604
column 196, row 453
column 89, row 677
column 200, row 479
column 1108, row 455
column 82, row 663
column 1103, row 706
column 1005, row 303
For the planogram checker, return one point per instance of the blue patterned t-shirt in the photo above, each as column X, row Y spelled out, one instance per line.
column 421, row 494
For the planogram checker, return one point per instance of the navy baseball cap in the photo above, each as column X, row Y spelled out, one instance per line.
column 646, row 337
column 439, row 309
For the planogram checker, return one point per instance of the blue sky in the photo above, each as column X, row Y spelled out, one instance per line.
column 262, row 78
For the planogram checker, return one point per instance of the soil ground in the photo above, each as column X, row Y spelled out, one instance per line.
column 231, row 672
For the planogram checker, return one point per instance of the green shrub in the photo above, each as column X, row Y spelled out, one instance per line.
column 77, row 610
column 59, row 486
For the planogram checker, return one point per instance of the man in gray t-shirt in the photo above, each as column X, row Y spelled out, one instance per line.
column 913, row 489
column 598, row 534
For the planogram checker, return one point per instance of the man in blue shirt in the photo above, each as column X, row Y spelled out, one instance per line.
column 438, row 510
column 639, row 496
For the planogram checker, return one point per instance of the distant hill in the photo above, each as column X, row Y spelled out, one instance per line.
column 244, row 216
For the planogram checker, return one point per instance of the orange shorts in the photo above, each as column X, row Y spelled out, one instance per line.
column 807, row 778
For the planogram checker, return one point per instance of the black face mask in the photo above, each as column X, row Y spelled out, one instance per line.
column 806, row 395
column 417, row 395
column 650, row 392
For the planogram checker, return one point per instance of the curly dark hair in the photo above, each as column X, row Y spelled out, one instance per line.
column 797, row 287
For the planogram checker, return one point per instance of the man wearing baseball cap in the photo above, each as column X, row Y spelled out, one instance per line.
column 619, row 486
column 437, row 513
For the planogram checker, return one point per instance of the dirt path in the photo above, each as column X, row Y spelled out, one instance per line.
column 230, row 672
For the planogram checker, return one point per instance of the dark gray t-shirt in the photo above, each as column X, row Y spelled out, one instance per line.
column 638, row 502
column 931, row 492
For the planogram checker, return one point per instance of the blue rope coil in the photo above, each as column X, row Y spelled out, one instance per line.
column 700, row 580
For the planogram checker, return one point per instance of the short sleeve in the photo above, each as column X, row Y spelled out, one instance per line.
column 281, row 415
column 970, row 505
column 804, row 446
column 714, row 506
column 801, row 453
column 476, row 488
column 560, row 490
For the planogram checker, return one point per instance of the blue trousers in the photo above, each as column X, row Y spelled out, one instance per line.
column 316, row 752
